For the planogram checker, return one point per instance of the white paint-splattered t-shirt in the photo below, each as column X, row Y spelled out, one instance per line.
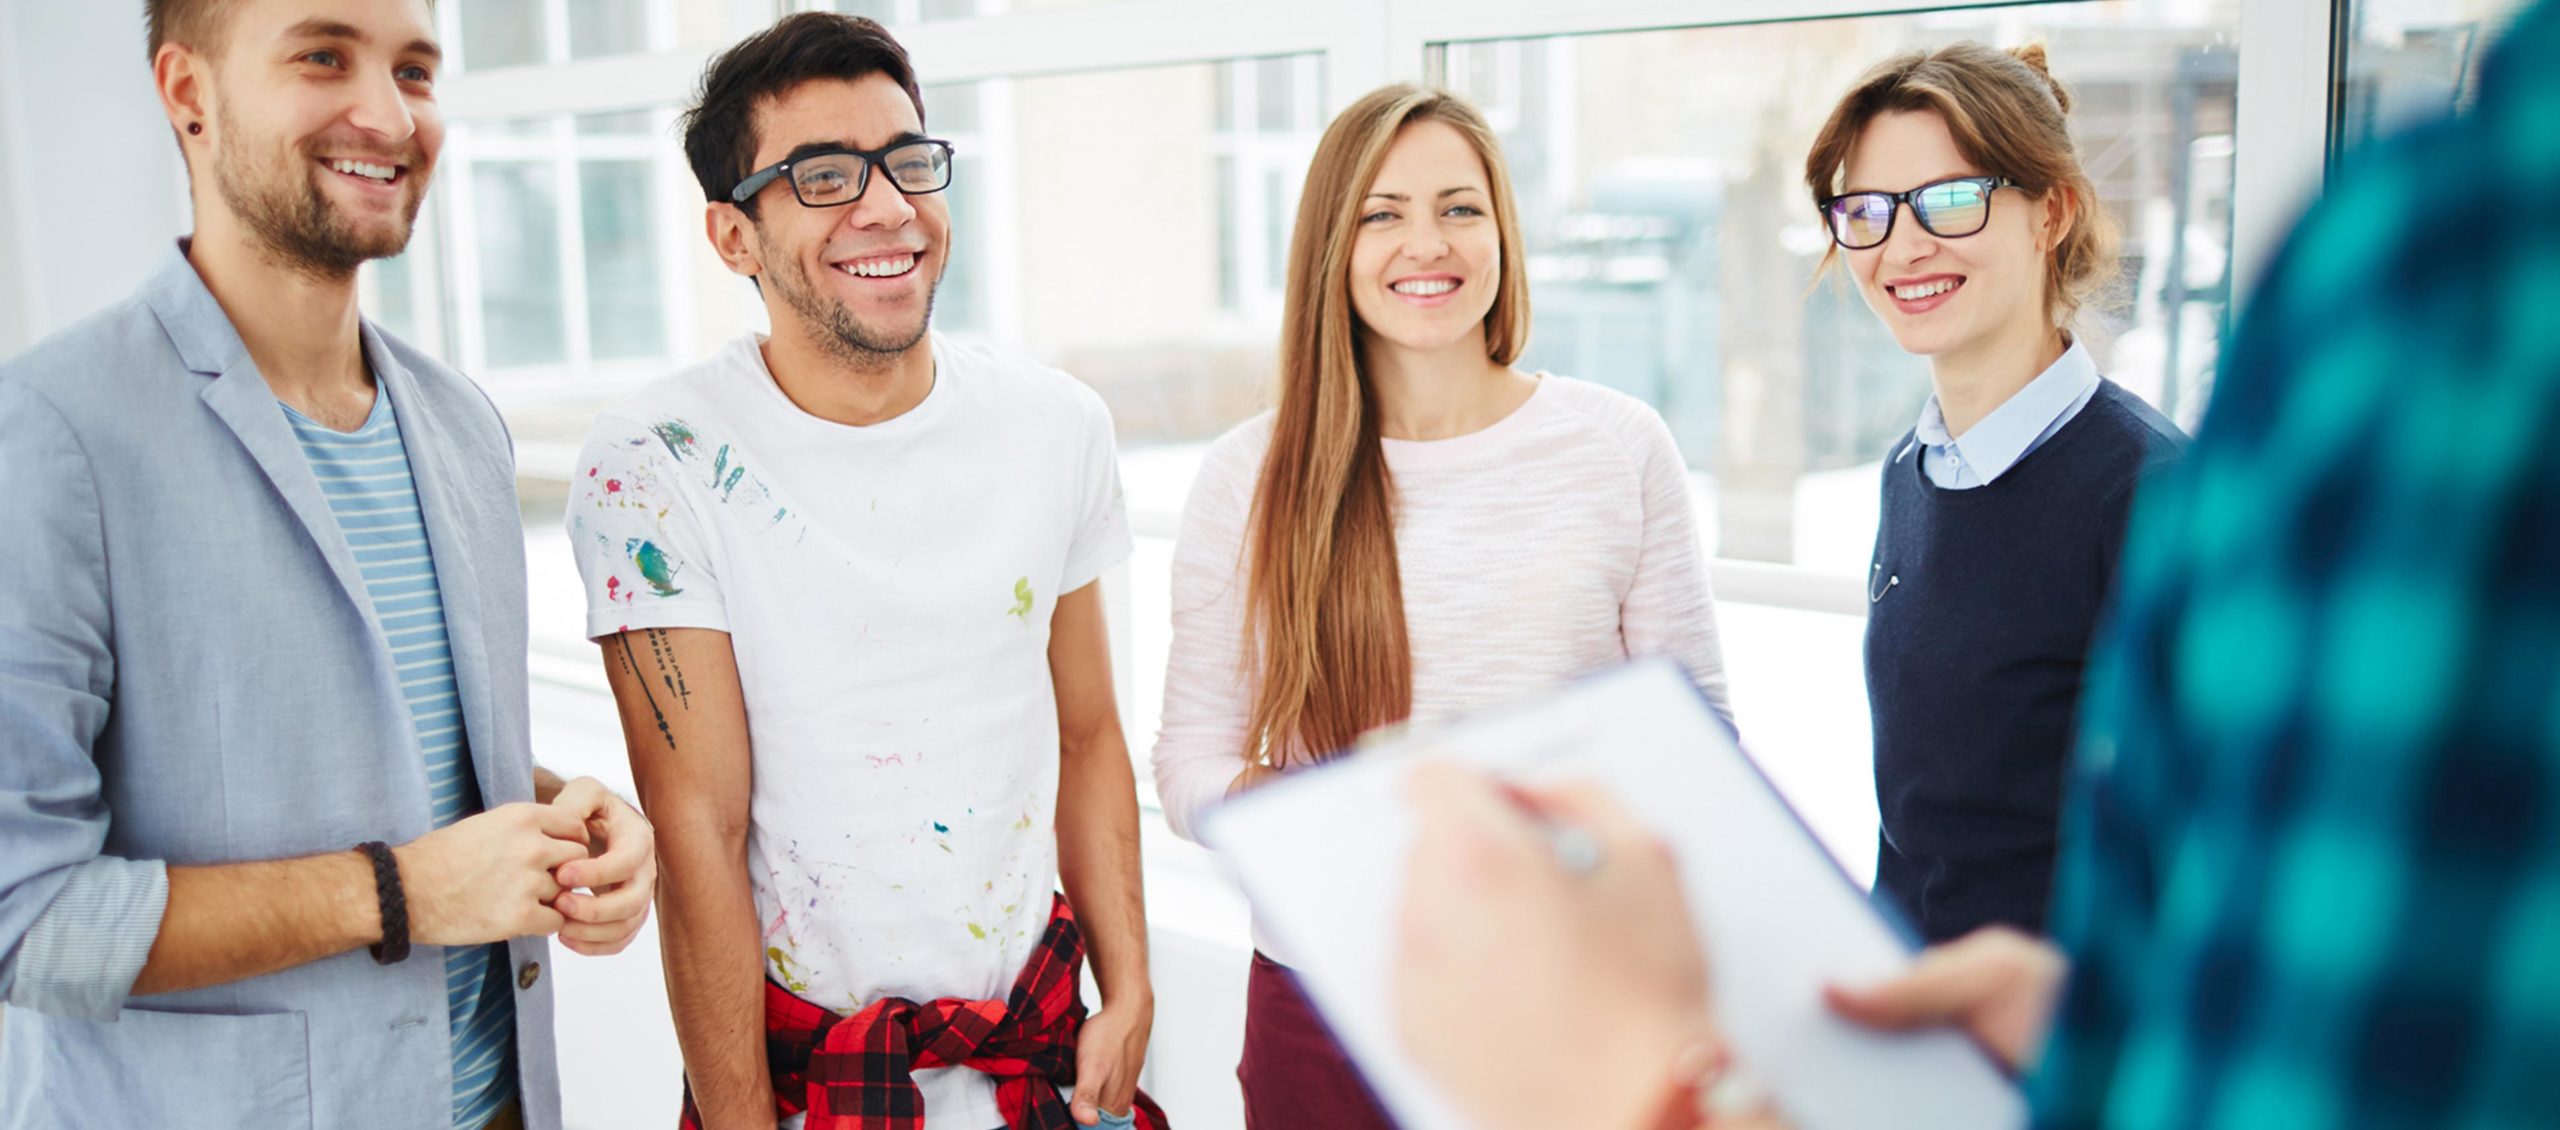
column 887, row 590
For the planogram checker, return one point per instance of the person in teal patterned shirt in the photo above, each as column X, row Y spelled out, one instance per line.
column 2311, row 864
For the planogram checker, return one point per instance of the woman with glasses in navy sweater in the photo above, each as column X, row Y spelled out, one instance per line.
column 1950, row 186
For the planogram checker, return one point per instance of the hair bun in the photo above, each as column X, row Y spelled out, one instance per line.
column 2032, row 54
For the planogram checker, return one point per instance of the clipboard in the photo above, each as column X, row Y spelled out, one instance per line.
column 1322, row 854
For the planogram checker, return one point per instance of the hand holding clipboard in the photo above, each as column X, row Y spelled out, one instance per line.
column 1325, row 855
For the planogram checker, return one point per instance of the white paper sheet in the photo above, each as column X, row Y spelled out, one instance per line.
column 1322, row 854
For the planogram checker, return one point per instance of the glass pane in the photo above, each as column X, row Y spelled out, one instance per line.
column 885, row 11
column 1275, row 95
column 1230, row 255
column 599, row 28
column 1162, row 296
column 630, row 123
column 1672, row 250
column 517, row 127
column 2408, row 60
column 950, row 108
column 1279, row 209
column 517, row 236
column 952, row 112
column 1180, row 346
column 394, row 304
column 618, row 214
column 714, row 24
column 502, row 33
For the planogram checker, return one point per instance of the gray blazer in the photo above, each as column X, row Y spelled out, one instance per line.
column 190, row 672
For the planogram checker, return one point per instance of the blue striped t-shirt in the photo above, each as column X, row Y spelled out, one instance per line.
column 365, row 476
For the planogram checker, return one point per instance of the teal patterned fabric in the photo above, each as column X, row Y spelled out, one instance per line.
column 2311, row 875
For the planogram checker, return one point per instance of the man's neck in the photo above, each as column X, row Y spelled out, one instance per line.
column 1442, row 393
column 825, row 384
column 301, row 329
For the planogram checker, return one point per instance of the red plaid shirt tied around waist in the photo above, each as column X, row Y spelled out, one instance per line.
column 857, row 1072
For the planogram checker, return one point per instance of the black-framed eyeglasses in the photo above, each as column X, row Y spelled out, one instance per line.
column 835, row 177
column 1949, row 209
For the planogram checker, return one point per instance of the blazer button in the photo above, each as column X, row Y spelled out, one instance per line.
column 531, row 973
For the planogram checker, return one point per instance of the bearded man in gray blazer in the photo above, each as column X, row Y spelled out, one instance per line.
column 273, row 849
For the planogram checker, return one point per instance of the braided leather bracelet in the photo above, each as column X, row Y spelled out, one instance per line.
column 394, row 946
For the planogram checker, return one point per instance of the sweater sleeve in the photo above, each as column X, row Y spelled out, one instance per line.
column 1208, row 682
column 1669, row 610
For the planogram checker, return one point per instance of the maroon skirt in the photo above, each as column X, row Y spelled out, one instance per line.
column 1295, row 1076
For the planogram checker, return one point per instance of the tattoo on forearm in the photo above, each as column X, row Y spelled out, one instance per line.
column 668, row 672
column 632, row 665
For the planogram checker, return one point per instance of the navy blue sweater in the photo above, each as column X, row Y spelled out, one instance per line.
column 1975, row 648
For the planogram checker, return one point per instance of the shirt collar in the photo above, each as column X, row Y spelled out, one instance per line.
column 1994, row 444
column 204, row 336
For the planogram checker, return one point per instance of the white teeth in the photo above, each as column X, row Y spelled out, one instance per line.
column 1924, row 290
column 879, row 268
column 1424, row 288
column 359, row 168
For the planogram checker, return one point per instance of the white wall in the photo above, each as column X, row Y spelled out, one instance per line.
column 91, row 189
column 13, row 315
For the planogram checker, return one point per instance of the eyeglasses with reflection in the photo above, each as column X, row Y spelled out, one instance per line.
column 1949, row 209
column 836, row 177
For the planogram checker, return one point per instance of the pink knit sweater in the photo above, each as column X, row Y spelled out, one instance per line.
column 1555, row 543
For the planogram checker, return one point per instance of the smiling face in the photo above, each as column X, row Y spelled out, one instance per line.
column 321, row 127
column 1944, row 296
column 1427, row 256
column 857, row 279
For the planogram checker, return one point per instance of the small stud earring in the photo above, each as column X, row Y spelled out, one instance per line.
column 194, row 128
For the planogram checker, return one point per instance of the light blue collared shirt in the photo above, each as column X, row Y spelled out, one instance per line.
column 2019, row 426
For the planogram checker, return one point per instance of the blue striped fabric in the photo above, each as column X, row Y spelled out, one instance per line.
column 365, row 475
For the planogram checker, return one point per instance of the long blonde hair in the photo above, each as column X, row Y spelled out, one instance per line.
column 1324, row 599
column 2006, row 112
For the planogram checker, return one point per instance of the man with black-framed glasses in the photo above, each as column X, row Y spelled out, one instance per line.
column 844, row 576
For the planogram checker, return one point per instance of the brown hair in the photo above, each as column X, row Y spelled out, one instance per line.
column 720, row 127
column 181, row 21
column 2006, row 112
column 1325, row 601
column 191, row 22
column 194, row 23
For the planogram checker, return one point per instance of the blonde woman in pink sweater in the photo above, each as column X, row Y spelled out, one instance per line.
column 1417, row 531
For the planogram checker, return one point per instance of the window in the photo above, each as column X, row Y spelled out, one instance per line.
column 567, row 265
column 1157, row 281
column 955, row 113
column 1267, row 120
column 2408, row 60
column 497, row 34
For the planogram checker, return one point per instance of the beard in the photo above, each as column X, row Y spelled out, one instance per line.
column 286, row 211
column 840, row 333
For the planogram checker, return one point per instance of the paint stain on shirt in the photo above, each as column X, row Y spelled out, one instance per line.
column 655, row 566
column 785, row 971
column 678, row 436
column 1022, row 600
column 726, row 475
